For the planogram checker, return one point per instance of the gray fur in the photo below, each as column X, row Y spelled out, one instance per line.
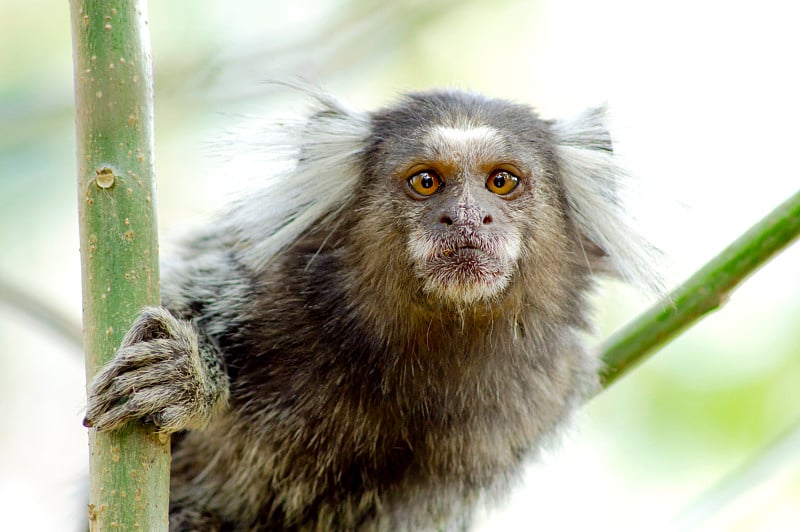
column 338, row 353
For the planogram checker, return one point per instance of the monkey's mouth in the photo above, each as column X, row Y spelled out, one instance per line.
column 458, row 252
column 464, row 268
column 465, row 272
column 468, row 264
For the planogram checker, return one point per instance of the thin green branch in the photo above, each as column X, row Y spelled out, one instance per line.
column 705, row 291
column 129, row 469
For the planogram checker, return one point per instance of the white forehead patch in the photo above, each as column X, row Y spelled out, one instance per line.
column 466, row 134
column 473, row 143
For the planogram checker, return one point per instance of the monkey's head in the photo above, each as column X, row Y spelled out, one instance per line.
column 453, row 196
column 468, row 185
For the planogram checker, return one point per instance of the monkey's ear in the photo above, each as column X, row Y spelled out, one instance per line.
column 332, row 132
column 595, row 185
column 313, row 181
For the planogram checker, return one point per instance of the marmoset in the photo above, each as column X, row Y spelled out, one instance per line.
column 380, row 335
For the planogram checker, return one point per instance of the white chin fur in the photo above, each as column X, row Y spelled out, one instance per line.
column 464, row 281
column 465, row 292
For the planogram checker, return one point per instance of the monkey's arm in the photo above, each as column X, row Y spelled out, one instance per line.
column 164, row 373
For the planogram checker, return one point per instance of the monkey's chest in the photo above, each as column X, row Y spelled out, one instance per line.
column 387, row 450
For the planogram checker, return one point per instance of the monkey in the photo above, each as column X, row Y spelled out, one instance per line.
column 379, row 336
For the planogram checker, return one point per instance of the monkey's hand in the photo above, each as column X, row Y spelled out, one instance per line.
column 162, row 374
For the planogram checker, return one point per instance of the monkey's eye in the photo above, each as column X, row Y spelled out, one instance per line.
column 425, row 183
column 502, row 182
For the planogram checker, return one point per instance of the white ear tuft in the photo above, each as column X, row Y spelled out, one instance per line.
column 596, row 186
column 307, row 182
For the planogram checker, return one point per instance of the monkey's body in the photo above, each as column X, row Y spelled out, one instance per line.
column 330, row 425
column 397, row 356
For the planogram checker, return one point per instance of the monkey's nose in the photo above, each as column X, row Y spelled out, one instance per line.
column 470, row 215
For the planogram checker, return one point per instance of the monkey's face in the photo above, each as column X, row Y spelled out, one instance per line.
column 469, row 198
column 460, row 186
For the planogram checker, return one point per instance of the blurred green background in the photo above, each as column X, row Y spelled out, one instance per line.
column 705, row 108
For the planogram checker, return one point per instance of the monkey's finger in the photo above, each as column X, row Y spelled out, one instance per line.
column 138, row 380
column 93, row 411
column 155, row 323
column 151, row 324
column 99, row 401
column 112, row 419
column 144, row 404
column 173, row 418
column 114, row 389
column 97, row 407
column 143, row 353
column 131, row 358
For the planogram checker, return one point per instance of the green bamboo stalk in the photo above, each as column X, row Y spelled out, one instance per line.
column 129, row 469
column 703, row 292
